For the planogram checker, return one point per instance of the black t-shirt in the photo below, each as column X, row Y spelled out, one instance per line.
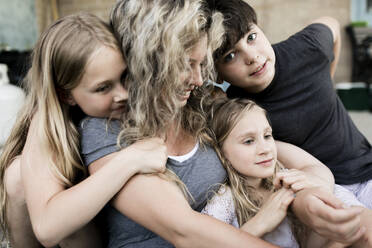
column 305, row 110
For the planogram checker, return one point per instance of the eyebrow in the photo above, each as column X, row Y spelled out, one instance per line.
column 252, row 133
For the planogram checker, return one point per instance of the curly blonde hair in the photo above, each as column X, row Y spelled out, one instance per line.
column 58, row 64
column 156, row 39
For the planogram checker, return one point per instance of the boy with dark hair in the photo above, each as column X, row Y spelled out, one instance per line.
column 293, row 81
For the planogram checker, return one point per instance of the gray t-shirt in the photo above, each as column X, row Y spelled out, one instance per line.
column 201, row 173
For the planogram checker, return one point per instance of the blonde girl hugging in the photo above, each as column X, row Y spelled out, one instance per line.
column 46, row 199
column 263, row 177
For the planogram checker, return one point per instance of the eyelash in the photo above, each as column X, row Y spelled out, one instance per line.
column 250, row 37
column 102, row 88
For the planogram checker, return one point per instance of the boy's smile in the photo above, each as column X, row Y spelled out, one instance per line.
column 250, row 64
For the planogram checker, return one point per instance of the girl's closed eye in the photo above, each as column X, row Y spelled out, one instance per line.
column 248, row 141
column 103, row 88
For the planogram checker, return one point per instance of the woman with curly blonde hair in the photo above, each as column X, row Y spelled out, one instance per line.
column 168, row 46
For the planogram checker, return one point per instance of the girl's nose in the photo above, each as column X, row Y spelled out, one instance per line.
column 121, row 94
column 263, row 147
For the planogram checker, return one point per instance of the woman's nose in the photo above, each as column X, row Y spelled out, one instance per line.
column 197, row 77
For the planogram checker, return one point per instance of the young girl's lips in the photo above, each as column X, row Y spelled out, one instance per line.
column 265, row 163
column 260, row 70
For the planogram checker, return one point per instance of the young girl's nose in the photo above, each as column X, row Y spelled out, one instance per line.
column 263, row 147
column 121, row 94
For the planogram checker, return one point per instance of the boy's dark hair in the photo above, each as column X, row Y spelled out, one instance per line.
column 238, row 19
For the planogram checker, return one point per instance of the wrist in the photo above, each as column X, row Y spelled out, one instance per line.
column 254, row 227
column 127, row 160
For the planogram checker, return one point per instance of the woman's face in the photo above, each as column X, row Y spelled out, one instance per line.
column 250, row 147
column 194, row 78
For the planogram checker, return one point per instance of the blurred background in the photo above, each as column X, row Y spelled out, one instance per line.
column 21, row 22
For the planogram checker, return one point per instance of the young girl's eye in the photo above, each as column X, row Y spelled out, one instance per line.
column 268, row 136
column 251, row 37
column 103, row 88
column 229, row 57
column 248, row 141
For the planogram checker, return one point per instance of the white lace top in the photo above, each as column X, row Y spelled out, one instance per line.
column 222, row 207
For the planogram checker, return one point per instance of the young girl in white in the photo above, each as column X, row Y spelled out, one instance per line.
column 259, row 189
column 76, row 65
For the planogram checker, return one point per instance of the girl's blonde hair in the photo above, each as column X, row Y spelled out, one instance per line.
column 224, row 115
column 157, row 37
column 58, row 64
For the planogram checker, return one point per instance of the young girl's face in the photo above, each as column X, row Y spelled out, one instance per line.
column 250, row 146
column 194, row 78
column 101, row 92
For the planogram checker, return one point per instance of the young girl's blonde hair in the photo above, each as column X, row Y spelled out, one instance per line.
column 224, row 115
column 58, row 64
column 157, row 37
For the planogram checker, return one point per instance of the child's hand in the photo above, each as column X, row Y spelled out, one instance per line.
column 293, row 179
column 271, row 214
column 149, row 155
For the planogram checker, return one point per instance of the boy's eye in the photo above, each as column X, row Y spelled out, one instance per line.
column 251, row 37
column 229, row 57
column 248, row 141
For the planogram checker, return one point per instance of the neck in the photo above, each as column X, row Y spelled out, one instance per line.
column 255, row 182
column 179, row 142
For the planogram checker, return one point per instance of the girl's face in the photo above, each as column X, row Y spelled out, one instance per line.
column 250, row 147
column 194, row 78
column 101, row 92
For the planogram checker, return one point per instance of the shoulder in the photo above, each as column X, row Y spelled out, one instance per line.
column 98, row 137
column 222, row 207
column 315, row 39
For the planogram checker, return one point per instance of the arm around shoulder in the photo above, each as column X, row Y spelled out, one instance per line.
column 160, row 206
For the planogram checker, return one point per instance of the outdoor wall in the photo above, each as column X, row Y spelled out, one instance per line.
column 18, row 28
column 278, row 18
column 99, row 7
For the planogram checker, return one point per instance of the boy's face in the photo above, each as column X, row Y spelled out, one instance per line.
column 250, row 64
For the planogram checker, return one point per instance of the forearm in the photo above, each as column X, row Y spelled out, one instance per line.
column 78, row 204
column 143, row 200
column 321, row 176
column 204, row 231
column 334, row 26
column 336, row 52
column 254, row 227
column 294, row 157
